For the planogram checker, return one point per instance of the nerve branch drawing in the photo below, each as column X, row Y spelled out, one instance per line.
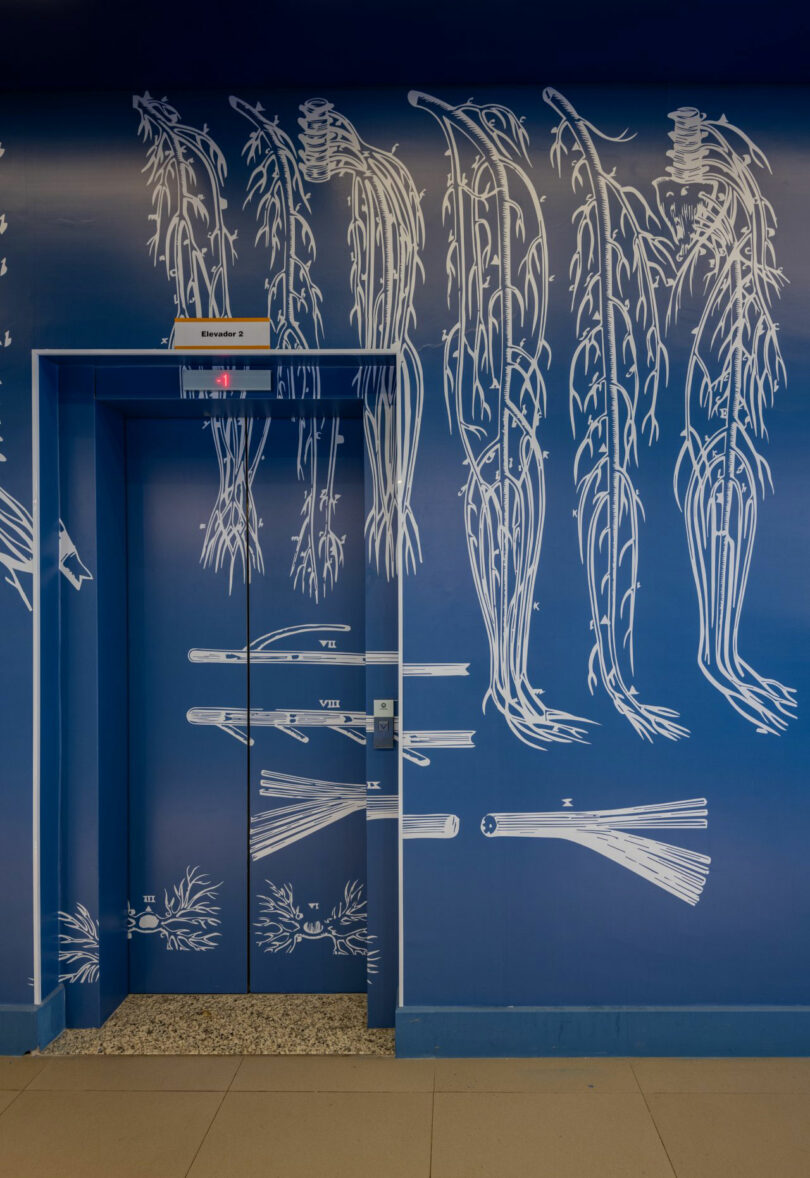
column 17, row 548
column 188, row 918
column 263, row 650
column 722, row 227
column 312, row 805
column 677, row 870
column 386, row 234
column 497, row 275
column 282, row 924
column 619, row 362
column 186, row 173
column 353, row 725
column 276, row 185
column 78, row 946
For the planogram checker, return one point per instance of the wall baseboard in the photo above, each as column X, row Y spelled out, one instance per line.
column 484, row 1031
column 29, row 1027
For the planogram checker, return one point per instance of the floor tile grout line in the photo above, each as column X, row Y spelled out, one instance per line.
column 432, row 1119
column 657, row 1130
column 205, row 1134
column 17, row 1094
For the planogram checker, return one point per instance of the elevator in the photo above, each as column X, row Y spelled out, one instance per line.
column 205, row 701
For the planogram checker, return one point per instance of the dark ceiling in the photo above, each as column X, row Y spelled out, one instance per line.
column 90, row 44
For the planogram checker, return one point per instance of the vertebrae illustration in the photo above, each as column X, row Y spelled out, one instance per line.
column 386, row 234
column 283, row 211
column 619, row 362
column 188, row 918
column 497, row 271
column 722, row 227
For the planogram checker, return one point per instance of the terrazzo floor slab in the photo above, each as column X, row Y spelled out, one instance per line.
column 232, row 1024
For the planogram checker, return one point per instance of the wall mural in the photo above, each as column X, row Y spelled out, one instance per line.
column 722, row 229
column 677, row 870
column 386, row 233
column 616, row 370
column 681, row 275
column 497, row 270
column 188, row 918
column 283, row 926
column 186, row 171
column 78, row 946
column 276, row 185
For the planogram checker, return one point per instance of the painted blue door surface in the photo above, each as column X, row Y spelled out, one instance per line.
column 307, row 698
column 247, row 706
column 187, row 792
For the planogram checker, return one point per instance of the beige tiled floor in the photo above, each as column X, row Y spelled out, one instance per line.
column 350, row 1117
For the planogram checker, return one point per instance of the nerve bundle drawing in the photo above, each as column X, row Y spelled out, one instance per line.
column 414, row 826
column 78, row 946
column 497, row 276
column 188, row 918
column 620, row 260
column 17, row 548
column 723, row 227
column 186, row 172
column 314, row 804
column 679, row 871
column 263, row 650
column 386, row 234
column 276, row 185
column 282, row 924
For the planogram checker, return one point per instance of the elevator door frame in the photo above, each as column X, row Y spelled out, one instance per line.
column 57, row 375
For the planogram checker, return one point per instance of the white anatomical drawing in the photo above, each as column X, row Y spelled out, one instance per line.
column 186, row 171
column 677, row 870
column 78, row 946
column 276, row 187
column 188, row 918
column 722, row 228
column 312, row 805
column 620, row 260
column 17, row 548
column 386, row 234
column 414, row 826
column 497, row 281
column 283, row 925
column 324, row 638
column 351, row 724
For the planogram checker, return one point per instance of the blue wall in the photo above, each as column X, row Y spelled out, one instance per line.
column 489, row 921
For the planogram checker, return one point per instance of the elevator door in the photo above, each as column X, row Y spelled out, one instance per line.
column 247, row 725
column 307, row 698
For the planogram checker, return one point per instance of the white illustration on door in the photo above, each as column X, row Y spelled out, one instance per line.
column 283, row 925
column 263, row 650
column 187, row 918
column 315, row 804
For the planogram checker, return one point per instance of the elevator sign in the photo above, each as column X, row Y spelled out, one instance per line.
column 222, row 335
